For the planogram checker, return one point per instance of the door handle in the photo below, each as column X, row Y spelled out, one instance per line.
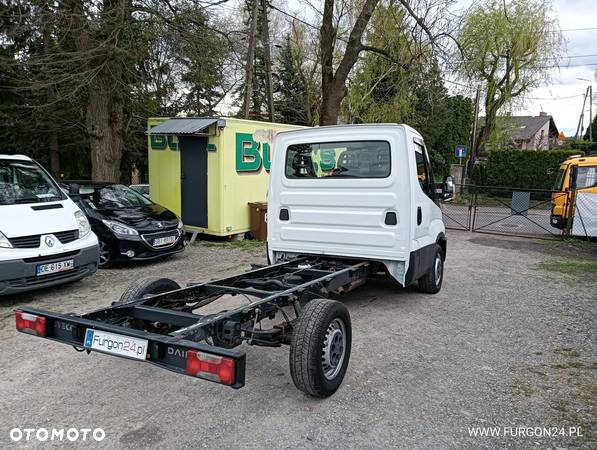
column 419, row 216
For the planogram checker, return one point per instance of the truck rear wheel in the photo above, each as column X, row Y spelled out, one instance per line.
column 320, row 347
column 145, row 286
column 431, row 282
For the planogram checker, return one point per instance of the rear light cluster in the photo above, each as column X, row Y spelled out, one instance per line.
column 31, row 324
column 220, row 369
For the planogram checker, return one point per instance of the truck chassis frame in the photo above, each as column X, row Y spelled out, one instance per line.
column 172, row 324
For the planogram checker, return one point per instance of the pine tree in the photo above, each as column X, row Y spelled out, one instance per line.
column 292, row 102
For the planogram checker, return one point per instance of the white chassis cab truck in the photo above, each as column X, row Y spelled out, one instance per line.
column 363, row 191
column 345, row 203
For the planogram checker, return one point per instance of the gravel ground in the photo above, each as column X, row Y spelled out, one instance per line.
column 504, row 344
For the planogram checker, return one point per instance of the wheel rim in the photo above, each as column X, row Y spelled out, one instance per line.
column 104, row 253
column 438, row 270
column 334, row 349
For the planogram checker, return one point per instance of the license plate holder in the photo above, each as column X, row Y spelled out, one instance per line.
column 115, row 344
column 166, row 240
column 55, row 267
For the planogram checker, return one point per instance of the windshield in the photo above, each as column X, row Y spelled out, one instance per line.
column 142, row 189
column 26, row 182
column 364, row 159
column 113, row 196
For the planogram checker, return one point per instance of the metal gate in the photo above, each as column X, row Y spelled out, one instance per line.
column 513, row 211
column 457, row 213
column 503, row 210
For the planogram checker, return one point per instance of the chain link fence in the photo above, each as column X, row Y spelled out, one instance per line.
column 523, row 212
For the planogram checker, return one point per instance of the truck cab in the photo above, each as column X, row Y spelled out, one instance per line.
column 575, row 173
column 358, row 191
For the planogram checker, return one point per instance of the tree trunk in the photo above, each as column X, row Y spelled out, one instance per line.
column 104, row 115
column 331, row 100
column 333, row 84
column 54, row 149
column 54, row 155
column 104, row 120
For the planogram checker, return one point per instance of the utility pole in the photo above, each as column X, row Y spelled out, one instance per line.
column 268, row 61
column 250, row 60
column 473, row 145
column 591, row 112
column 581, row 119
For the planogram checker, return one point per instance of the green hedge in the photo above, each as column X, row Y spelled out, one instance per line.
column 586, row 146
column 521, row 168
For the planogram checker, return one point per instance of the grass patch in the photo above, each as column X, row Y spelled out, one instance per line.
column 567, row 351
column 247, row 244
column 569, row 365
column 575, row 267
column 570, row 243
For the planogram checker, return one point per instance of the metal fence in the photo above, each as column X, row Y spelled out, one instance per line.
column 457, row 213
column 521, row 212
column 583, row 211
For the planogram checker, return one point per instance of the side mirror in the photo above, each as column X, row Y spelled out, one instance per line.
column 448, row 188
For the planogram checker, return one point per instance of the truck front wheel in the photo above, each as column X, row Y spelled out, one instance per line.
column 431, row 282
column 320, row 347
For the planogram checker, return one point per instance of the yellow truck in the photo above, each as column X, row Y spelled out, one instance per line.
column 207, row 170
column 575, row 173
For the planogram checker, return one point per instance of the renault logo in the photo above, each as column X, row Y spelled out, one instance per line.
column 49, row 241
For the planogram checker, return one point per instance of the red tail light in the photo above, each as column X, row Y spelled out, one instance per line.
column 220, row 369
column 31, row 324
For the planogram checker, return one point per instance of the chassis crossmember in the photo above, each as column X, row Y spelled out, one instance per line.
column 178, row 337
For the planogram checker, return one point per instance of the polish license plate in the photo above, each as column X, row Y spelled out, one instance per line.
column 60, row 266
column 115, row 344
column 164, row 241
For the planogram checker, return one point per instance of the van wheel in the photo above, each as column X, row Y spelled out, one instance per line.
column 320, row 347
column 105, row 255
column 145, row 286
column 431, row 282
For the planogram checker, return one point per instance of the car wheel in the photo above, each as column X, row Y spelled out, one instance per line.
column 431, row 282
column 147, row 286
column 320, row 347
column 105, row 255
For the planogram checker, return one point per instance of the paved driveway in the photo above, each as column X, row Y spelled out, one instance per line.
column 504, row 344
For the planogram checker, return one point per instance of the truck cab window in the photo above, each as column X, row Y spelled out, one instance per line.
column 423, row 169
column 586, row 177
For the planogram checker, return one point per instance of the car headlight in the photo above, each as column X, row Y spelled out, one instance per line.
column 4, row 242
column 82, row 223
column 120, row 229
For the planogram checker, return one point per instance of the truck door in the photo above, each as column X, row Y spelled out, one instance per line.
column 424, row 195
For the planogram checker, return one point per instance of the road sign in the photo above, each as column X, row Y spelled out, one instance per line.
column 460, row 151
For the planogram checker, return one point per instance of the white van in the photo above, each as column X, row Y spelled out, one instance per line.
column 44, row 238
column 359, row 191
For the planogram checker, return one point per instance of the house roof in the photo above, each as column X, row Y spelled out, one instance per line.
column 186, row 126
column 525, row 127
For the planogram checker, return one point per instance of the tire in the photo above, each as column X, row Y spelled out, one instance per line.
column 105, row 255
column 145, row 286
column 320, row 347
column 431, row 282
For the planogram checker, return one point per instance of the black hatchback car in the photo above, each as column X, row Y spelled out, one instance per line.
column 128, row 225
